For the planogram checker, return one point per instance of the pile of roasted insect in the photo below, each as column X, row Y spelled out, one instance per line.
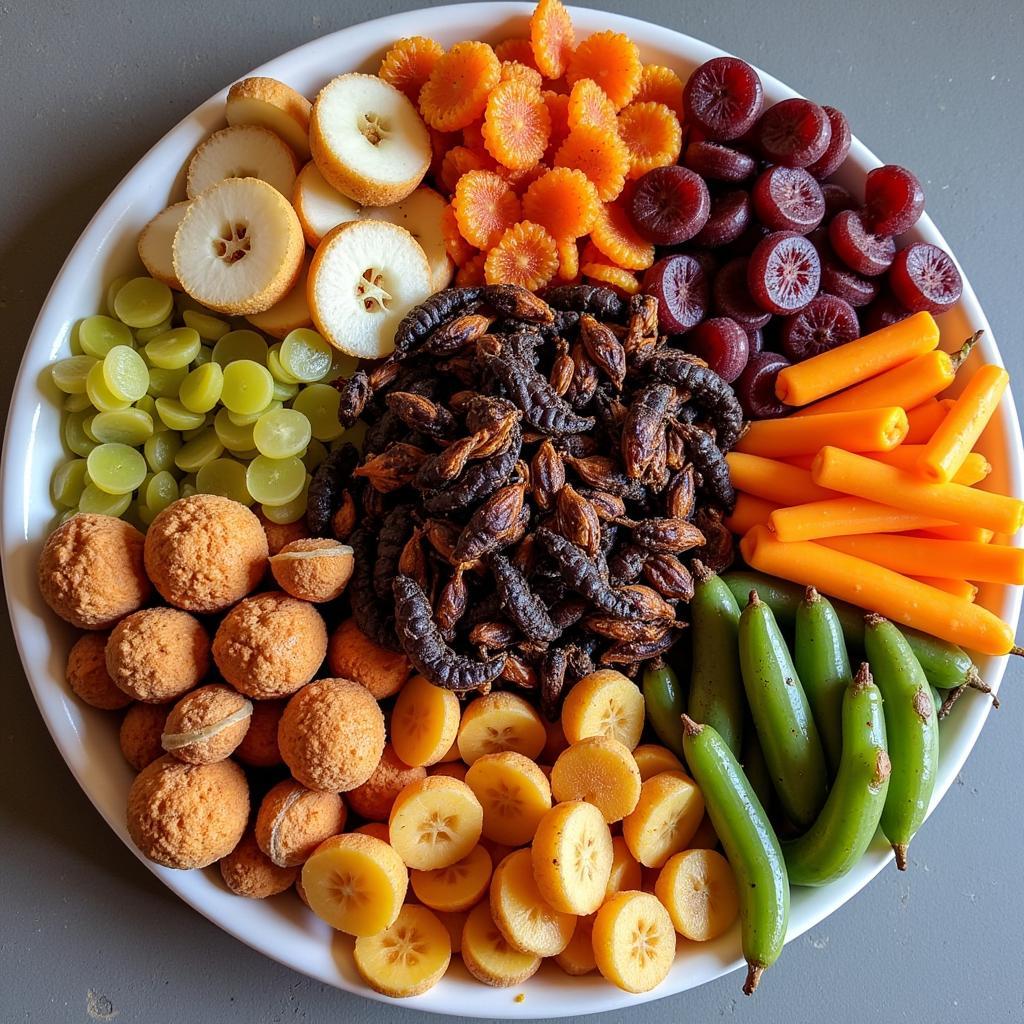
column 537, row 473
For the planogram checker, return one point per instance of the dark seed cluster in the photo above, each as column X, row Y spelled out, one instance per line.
column 538, row 472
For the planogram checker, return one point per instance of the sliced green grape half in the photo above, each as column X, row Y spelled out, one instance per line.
column 174, row 348
column 159, row 491
column 125, row 373
column 278, row 372
column 160, row 450
column 76, row 403
column 147, row 404
column 200, row 391
column 144, row 335
column 203, row 356
column 75, row 436
column 319, row 404
column 99, row 502
column 241, row 344
column 203, row 448
column 248, row 386
column 305, row 355
column 290, row 512
column 316, row 452
column 284, row 392
column 275, row 481
column 143, row 302
column 225, row 477
column 68, row 482
column 69, row 374
column 99, row 394
column 166, row 383
column 127, row 426
column 209, row 328
column 248, row 419
column 187, row 486
column 281, row 433
column 343, row 365
column 116, row 468
column 112, row 289
column 99, row 334
column 175, row 416
column 234, row 436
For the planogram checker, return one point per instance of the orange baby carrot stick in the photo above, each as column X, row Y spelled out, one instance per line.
column 748, row 513
column 866, row 478
column 773, row 481
column 956, row 532
column 856, row 361
column 843, row 517
column 975, row 468
column 878, row 589
column 952, row 442
column 907, row 385
column 958, row 588
column 948, row 559
column 923, row 420
column 866, row 430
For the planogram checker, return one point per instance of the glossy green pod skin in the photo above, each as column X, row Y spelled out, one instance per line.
column 945, row 664
column 782, row 716
column 663, row 698
column 716, row 685
column 912, row 727
column 850, row 817
column 819, row 651
column 750, row 845
column 756, row 768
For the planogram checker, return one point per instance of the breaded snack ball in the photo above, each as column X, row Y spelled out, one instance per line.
column 353, row 655
column 141, row 730
column 157, row 654
column 258, row 748
column 248, row 871
column 373, row 799
column 293, row 821
column 91, row 571
column 270, row 644
column 205, row 552
column 332, row 735
column 88, row 677
column 188, row 815
column 207, row 724
column 280, row 534
column 315, row 569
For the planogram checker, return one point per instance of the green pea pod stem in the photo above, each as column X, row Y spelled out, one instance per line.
column 850, row 817
column 716, row 685
column 946, row 665
column 912, row 727
column 750, row 845
column 782, row 716
column 663, row 697
column 819, row 651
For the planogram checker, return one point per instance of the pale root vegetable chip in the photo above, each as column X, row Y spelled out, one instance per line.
column 273, row 105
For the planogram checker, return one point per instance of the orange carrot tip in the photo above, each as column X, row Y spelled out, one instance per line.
column 863, row 430
column 958, row 588
column 843, row 517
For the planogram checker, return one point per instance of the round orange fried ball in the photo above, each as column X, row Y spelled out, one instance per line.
column 91, row 571
column 188, row 815
column 351, row 654
column 332, row 735
column 258, row 748
column 270, row 644
column 157, row 654
column 204, row 553
column 373, row 799
column 88, row 677
column 248, row 871
column 141, row 730
column 206, row 725
column 293, row 821
column 315, row 569
column 280, row 534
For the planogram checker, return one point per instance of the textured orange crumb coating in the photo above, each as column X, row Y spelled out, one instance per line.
column 91, row 571
column 351, row 654
column 141, row 729
column 373, row 799
column 157, row 654
column 293, row 821
column 248, row 871
column 188, row 815
column 314, row 569
column 280, row 534
column 332, row 735
column 88, row 677
column 270, row 645
column 207, row 724
column 205, row 552
column 258, row 748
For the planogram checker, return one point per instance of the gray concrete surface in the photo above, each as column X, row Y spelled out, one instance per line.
column 86, row 934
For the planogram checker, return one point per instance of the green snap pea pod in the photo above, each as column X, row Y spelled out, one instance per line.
column 756, row 769
column 937, row 700
column 849, row 819
column 782, row 716
column 912, row 727
column 946, row 665
column 716, row 685
column 749, row 843
column 663, row 697
column 823, row 666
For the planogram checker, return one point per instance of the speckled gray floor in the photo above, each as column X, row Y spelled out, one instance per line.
column 86, row 934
